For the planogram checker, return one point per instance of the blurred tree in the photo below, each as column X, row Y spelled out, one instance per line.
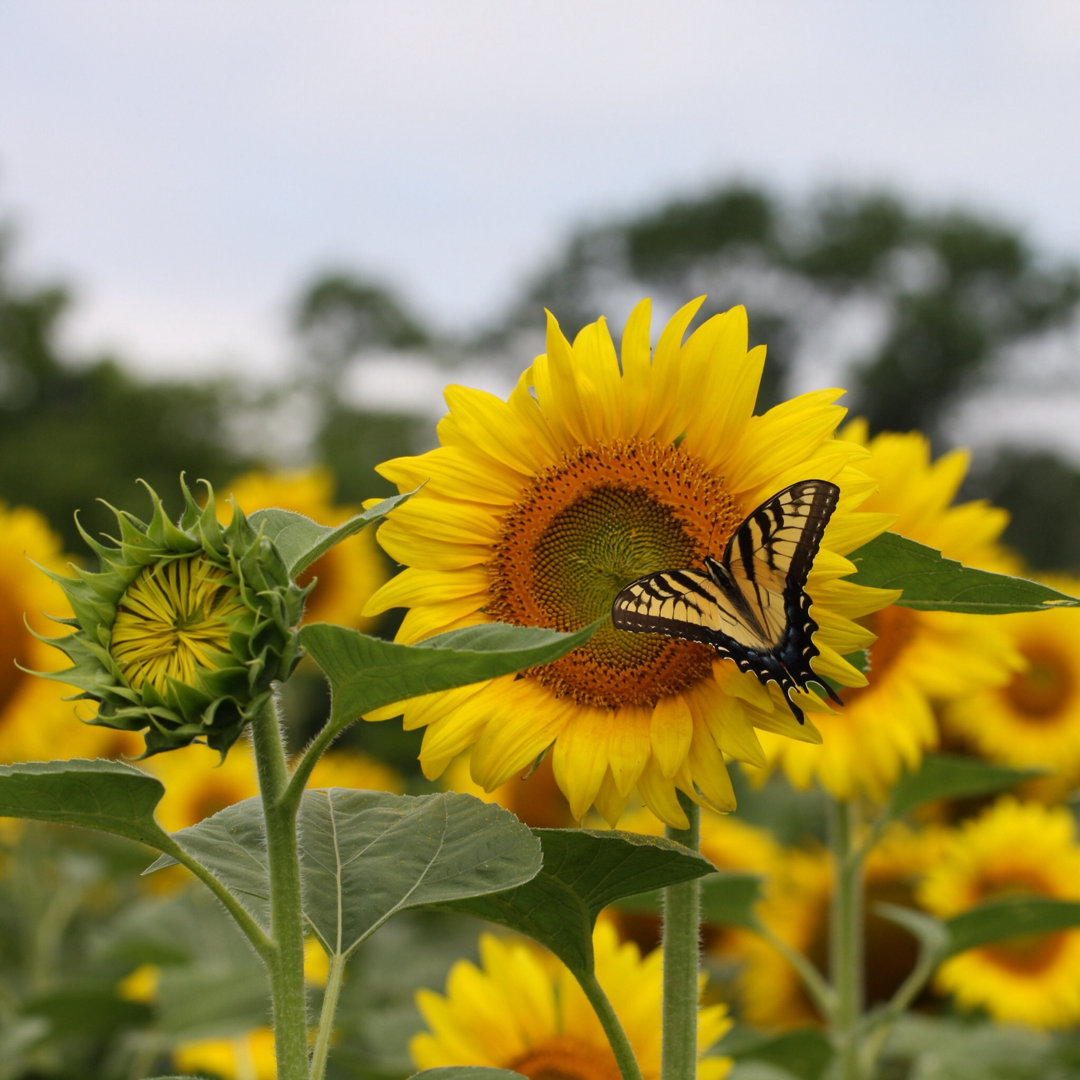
column 941, row 296
column 338, row 319
column 71, row 433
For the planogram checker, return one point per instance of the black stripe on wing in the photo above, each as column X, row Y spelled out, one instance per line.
column 735, row 607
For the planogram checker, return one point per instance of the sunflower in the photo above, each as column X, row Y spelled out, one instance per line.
column 599, row 469
column 249, row 1056
column 522, row 1010
column 796, row 909
column 1033, row 720
column 1012, row 849
column 349, row 572
column 919, row 658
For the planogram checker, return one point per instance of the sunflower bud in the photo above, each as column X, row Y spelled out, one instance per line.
column 183, row 629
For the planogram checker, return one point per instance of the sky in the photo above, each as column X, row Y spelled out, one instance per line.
column 186, row 167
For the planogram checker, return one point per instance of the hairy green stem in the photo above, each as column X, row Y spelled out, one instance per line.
column 681, row 938
column 846, row 937
column 613, row 1029
column 286, row 963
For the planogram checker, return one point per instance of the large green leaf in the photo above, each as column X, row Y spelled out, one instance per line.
column 368, row 854
column 105, row 795
column 931, row 582
column 942, row 776
column 232, row 845
column 366, row 673
column 301, row 541
column 1009, row 917
column 583, row 872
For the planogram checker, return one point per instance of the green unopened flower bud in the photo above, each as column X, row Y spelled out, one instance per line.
column 184, row 628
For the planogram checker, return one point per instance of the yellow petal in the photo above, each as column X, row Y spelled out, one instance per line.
column 670, row 732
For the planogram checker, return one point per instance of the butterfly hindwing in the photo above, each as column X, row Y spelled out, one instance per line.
column 751, row 605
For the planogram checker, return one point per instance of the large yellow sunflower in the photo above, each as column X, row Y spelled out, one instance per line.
column 1034, row 718
column 919, row 658
column 1012, row 849
column 349, row 572
column 524, row 1011
column 598, row 469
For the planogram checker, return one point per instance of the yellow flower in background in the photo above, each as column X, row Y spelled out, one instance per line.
column 598, row 469
column 244, row 1057
column 796, row 908
column 348, row 573
column 354, row 769
column 1034, row 718
column 920, row 658
column 1012, row 849
column 522, row 1010
column 199, row 783
column 36, row 722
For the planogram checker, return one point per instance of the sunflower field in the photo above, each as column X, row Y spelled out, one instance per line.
column 671, row 713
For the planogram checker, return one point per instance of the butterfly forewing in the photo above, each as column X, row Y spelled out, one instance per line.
column 751, row 605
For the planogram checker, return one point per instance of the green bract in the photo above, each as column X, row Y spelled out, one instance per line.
column 184, row 627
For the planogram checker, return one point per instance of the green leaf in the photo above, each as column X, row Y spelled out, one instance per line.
column 466, row 1072
column 1009, row 917
column 583, row 872
column 931, row 933
column 366, row 855
column 105, row 795
column 300, row 541
column 727, row 899
column 942, row 776
column 231, row 844
column 931, row 582
column 369, row 854
column 366, row 673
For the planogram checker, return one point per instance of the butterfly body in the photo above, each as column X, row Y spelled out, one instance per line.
column 751, row 605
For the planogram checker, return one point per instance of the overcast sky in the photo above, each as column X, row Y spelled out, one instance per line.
column 187, row 165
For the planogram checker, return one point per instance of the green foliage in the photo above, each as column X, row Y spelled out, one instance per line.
column 367, row 855
column 584, row 872
column 946, row 777
column 366, row 673
column 105, row 795
column 931, row 582
column 301, row 541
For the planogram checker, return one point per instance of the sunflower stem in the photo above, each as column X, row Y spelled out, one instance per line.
column 681, row 938
column 616, row 1035
column 286, row 961
column 846, row 937
column 326, row 1017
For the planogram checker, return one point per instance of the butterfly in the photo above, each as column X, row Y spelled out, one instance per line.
column 751, row 605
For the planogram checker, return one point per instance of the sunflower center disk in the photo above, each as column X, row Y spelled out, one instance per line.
column 605, row 515
column 1045, row 688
